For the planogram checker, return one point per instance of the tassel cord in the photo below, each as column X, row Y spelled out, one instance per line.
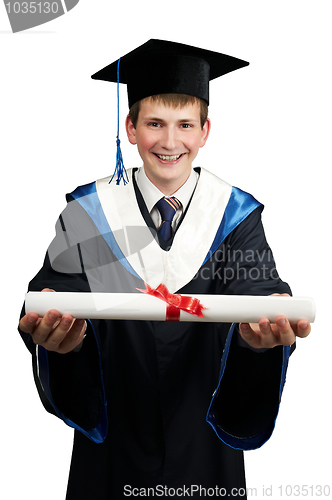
column 120, row 170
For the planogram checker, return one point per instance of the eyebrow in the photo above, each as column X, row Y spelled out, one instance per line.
column 183, row 120
column 152, row 119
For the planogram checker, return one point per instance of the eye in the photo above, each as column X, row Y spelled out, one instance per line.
column 154, row 124
column 186, row 125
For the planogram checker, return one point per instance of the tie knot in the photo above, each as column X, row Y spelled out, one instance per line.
column 167, row 208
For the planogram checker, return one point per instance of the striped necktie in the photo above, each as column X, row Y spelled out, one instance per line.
column 167, row 208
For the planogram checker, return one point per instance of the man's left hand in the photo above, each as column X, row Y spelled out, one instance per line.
column 266, row 335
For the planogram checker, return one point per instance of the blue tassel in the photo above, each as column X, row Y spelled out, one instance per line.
column 120, row 170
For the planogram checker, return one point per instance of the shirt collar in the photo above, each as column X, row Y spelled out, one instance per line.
column 152, row 195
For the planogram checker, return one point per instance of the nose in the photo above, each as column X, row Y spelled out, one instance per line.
column 169, row 139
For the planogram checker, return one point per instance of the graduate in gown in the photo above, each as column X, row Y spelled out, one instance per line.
column 161, row 408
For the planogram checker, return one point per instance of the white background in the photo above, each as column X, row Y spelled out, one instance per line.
column 271, row 136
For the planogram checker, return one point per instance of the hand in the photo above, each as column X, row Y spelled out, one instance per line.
column 267, row 335
column 55, row 333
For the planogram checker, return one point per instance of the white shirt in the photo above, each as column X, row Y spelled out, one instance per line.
column 151, row 195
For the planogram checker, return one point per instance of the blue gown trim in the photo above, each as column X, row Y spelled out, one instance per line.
column 88, row 198
column 98, row 434
column 239, row 206
column 251, row 442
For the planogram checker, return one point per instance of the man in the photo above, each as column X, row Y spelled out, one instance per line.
column 138, row 392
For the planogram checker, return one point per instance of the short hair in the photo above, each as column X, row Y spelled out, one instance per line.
column 173, row 101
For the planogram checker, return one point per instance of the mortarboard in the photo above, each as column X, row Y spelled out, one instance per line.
column 163, row 67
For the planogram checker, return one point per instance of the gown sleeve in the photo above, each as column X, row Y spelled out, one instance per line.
column 246, row 402
column 70, row 385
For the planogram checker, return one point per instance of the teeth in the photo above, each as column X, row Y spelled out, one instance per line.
column 169, row 158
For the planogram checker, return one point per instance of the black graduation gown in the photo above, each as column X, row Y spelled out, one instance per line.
column 139, row 393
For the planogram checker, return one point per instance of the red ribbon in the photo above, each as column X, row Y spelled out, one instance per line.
column 175, row 302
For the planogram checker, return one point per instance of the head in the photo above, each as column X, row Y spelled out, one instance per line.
column 168, row 130
column 159, row 68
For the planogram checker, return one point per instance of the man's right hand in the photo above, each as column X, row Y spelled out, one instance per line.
column 54, row 333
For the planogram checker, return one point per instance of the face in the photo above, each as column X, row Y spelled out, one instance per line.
column 168, row 140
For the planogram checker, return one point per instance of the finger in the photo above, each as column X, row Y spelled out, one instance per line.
column 58, row 333
column 268, row 337
column 28, row 323
column 303, row 328
column 74, row 336
column 45, row 326
column 66, row 336
column 249, row 335
column 286, row 332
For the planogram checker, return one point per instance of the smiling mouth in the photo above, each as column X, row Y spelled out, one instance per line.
column 169, row 158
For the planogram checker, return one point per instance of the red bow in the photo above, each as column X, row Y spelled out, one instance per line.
column 175, row 302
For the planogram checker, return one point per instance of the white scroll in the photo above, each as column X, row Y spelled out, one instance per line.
column 139, row 306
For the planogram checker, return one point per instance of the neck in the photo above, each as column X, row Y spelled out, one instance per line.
column 168, row 186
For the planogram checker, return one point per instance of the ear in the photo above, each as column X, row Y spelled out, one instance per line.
column 205, row 132
column 131, row 131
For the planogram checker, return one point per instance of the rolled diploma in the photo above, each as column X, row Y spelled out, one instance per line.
column 139, row 306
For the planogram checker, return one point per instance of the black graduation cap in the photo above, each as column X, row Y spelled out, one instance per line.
column 163, row 67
